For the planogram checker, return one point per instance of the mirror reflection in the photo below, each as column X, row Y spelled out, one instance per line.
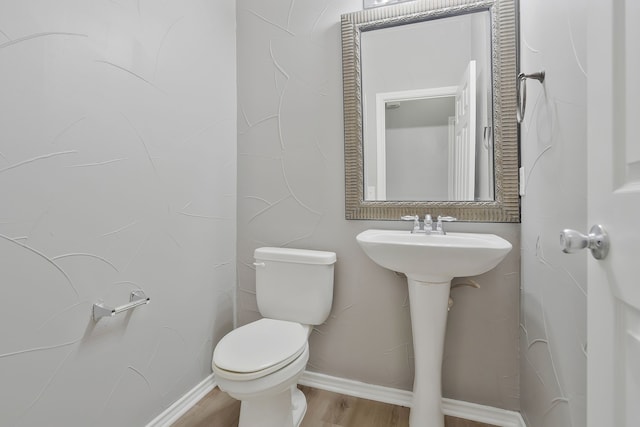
column 427, row 110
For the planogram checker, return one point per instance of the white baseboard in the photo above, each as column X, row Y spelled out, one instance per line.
column 357, row 389
column 455, row 408
column 182, row 405
column 482, row 413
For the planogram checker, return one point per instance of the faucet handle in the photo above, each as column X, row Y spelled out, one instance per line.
column 439, row 228
column 415, row 219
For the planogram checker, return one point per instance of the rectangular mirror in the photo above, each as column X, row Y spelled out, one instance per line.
column 429, row 107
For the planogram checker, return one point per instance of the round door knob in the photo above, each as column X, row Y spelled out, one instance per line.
column 597, row 241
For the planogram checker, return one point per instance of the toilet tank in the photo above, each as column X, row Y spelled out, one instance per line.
column 294, row 284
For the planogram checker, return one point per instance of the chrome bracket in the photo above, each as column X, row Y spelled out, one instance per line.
column 521, row 91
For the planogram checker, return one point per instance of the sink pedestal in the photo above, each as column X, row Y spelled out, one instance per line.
column 428, row 303
column 430, row 261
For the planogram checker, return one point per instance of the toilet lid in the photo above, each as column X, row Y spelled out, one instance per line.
column 260, row 345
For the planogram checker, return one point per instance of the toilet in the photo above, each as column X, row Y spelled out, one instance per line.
column 260, row 363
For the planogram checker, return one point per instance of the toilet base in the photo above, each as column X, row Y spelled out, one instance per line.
column 299, row 405
column 284, row 409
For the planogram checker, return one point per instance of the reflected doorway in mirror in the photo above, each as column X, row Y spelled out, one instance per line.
column 406, row 70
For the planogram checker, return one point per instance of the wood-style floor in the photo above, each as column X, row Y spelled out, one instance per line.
column 324, row 409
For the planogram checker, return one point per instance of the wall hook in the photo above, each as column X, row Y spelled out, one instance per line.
column 521, row 91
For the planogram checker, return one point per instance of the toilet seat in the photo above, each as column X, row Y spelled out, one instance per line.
column 259, row 349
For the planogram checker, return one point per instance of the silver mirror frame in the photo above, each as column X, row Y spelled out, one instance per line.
column 506, row 206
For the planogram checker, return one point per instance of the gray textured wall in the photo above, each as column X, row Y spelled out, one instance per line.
column 291, row 193
column 554, row 295
column 117, row 172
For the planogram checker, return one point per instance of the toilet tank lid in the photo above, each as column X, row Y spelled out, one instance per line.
column 303, row 256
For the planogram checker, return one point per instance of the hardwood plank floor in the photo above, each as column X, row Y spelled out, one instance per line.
column 324, row 409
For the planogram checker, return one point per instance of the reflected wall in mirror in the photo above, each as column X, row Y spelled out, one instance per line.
column 429, row 102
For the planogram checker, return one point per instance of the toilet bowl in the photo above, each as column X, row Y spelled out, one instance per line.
column 261, row 362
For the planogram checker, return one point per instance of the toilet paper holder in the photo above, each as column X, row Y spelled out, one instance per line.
column 137, row 298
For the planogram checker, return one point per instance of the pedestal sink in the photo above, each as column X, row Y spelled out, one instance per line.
column 430, row 262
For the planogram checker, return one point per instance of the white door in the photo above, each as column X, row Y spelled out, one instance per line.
column 462, row 156
column 613, row 384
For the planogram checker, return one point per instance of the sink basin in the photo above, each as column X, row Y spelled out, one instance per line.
column 430, row 261
column 434, row 258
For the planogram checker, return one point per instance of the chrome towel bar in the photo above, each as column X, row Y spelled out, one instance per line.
column 521, row 91
column 136, row 298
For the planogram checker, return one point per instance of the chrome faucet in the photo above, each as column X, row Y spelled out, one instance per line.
column 428, row 223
